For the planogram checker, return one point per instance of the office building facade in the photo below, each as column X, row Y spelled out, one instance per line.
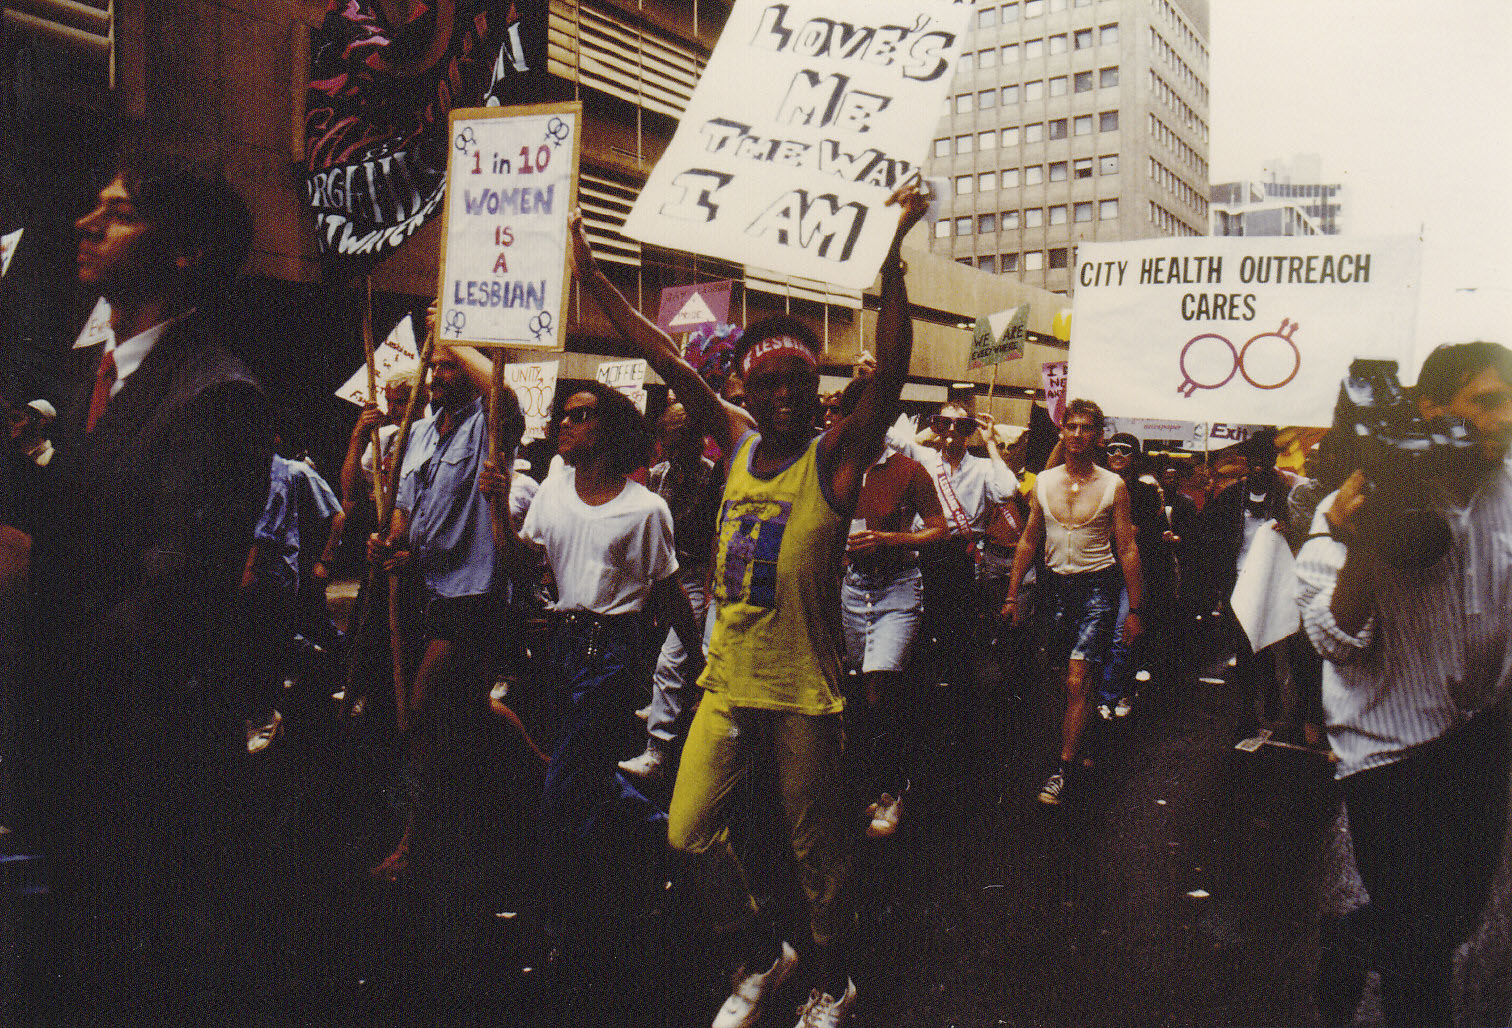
column 1288, row 198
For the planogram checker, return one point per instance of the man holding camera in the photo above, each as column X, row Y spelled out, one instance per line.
column 1419, row 663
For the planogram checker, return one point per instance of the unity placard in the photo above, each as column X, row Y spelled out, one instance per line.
column 511, row 185
column 1247, row 330
column 809, row 115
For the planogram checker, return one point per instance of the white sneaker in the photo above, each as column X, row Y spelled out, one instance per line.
column 826, row 1011
column 743, row 1008
column 885, row 815
column 1105, row 712
column 644, row 713
column 650, row 765
column 260, row 737
column 1123, row 708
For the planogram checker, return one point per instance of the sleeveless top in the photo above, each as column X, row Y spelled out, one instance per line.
column 778, row 542
column 1084, row 547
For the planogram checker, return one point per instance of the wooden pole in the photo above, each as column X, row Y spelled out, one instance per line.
column 372, row 391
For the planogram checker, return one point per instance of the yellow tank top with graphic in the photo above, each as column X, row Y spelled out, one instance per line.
column 776, row 642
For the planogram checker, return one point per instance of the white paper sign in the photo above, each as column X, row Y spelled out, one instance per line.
column 535, row 387
column 1265, row 594
column 8, row 244
column 511, row 184
column 629, row 377
column 397, row 354
column 1251, row 330
column 97, row 329
column 1186, row 434
column 808, row 116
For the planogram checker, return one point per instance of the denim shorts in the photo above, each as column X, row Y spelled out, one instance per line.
column 1085, row 609
column 880, row 612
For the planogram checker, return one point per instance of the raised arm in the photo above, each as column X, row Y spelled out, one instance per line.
column 708, row 415
column 857, row 439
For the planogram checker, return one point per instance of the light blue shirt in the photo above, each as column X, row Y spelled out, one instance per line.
column 449, row 537
column 277, row 530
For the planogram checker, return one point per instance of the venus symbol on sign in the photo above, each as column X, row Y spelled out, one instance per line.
column 455, row 322
column 541, row 325
column 1210, row 361
column 466, row 139
column 557, row 130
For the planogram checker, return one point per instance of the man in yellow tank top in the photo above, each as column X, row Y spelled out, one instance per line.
column 772, row 683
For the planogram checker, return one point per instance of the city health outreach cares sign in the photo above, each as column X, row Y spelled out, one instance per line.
column 809, row 115
column 511, row 183
column 1252, row 331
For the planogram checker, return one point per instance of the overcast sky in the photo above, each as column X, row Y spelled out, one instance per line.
column 1407, row 103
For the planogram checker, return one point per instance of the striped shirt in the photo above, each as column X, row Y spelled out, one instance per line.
column 1438, row 647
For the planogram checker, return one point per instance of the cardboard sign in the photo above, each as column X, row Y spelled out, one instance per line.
column 8, row 244
column 629, row 377
column 97, row 329
column 535, row 387
column 808, row 116
column 1249, row 330
column 1053, row 376
column 397, row 354
column 511, row 184
column 999, row 337
column 684, row 308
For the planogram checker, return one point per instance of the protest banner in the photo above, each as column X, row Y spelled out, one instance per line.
column 1247, row 330
column 1053, row 377
column 808, row 116
column 684, row 308
column 512, row 178
column 629, row 377
column 999, row 337
column 397, row 354
column 1186, row 435
column 97, row 329
column 8, row 244
column 535, row 387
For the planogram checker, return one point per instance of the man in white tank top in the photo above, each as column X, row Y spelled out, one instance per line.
column 1080, row 512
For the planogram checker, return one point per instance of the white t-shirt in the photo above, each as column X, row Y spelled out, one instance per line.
column 606, row 558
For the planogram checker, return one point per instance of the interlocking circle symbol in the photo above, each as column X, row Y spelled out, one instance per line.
column 1209, row 368
column 465, row 139
column 541, row 325
column 557, row 130
column 456, row 322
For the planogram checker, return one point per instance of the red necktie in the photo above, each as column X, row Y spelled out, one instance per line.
column 104, row 378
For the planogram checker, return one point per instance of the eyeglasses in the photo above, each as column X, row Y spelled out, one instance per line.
column 941, row 424
column 580, row 415
column 1120, row 450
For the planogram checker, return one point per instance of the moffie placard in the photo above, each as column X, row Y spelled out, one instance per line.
column 808, row 116
column 1255, row 330
column 511, row 184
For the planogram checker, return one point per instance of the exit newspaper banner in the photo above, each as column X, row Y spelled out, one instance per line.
column 1244, row 330
column 808, row 116
column 511, row 184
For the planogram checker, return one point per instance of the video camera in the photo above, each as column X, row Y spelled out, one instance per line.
column 1400, row 451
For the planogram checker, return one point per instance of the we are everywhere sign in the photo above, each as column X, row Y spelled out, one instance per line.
column 809, row 115
column 1243, row 330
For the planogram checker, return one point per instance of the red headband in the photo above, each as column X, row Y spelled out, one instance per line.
column 776, row 344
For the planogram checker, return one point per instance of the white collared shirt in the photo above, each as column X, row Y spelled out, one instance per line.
column 130, row 354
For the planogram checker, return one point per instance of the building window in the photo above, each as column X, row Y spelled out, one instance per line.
column 1057, row 128
column 986, row 18
column 1010, row 54
column 1107, row 164
column 1056, row 44
column 963, row 226
column 1034, row 175
column 987, row 263
column 1058, row 214
column 1034, row 217
column 986, row 223
column 1082, row 3
column 1108, row 34
column 986, row 58
column 987, row 140
column 1010, row 178
column 1058, row 258
column 965, row 62
column 963, row 144
column 987, row 98
column 964, row 260
column 1034, row 90
column 1058, row 86
column 942, row 229
column 942, row 148
column 1010, row 13
column 1057, row 171
column 1034, row 133
column 1083, row 81
column 963, row 103
column 1010, row 95
column 1009, row 262
column 1081, row 125
column 986, row 181
column 1034, row 260
column 1107, row 210
column 1081, row 39
column 1107, row 121
column 1034, row 49
column 1082, row 167
column 1107, row 77
column 963, row 185
column 1034, row 8
column 1010, row 221
column 1081, row 211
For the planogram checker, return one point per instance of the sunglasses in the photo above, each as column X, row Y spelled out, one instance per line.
column 941, row 424
column 580, row 415
column 1120, row 450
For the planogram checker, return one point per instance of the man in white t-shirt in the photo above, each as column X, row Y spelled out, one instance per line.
column 608, row 541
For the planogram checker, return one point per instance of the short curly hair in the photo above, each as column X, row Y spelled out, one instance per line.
column 197, row 212
column 1087, row 409
column 623, row 431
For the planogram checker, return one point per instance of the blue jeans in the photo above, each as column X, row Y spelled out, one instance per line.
column 1123, row 659
column 1086, row 606
column 671, row 677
